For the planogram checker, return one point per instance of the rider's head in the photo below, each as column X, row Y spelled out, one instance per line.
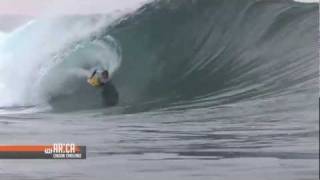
column 104, row 76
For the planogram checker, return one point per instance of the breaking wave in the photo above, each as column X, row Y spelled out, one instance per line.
column 167, row 54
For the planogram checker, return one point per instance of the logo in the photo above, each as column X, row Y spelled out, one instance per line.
column 54, row 151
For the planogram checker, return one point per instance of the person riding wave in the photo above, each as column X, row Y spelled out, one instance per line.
column 109, row 92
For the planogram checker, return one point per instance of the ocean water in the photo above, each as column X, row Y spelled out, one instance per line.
column 209, row 89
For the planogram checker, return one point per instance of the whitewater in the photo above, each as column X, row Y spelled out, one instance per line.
column 209, row 89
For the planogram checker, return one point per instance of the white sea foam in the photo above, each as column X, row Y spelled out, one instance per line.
column 37, row 58
column 307, row 1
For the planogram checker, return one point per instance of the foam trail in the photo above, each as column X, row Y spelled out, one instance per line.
column 307, row 1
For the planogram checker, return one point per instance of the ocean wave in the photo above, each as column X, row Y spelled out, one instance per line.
column 198, row 53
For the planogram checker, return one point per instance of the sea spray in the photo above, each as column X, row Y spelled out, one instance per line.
column 47, row 48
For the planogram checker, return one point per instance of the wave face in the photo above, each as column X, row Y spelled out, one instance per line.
column 210, row 52
column 173, row 54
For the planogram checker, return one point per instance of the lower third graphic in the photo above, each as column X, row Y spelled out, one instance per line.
column 54, row 151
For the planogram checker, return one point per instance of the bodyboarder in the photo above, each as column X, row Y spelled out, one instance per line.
column 102, row 80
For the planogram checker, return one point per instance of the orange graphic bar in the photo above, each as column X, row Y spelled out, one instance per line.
column 30, row 148
column 24, row 148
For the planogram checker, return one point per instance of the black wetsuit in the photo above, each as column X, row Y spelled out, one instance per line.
column 110, row 94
